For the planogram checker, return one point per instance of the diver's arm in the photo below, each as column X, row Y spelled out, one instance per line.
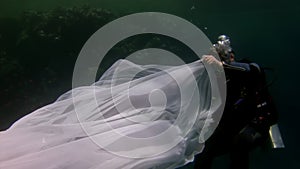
column 210, row 59
column 233, row 67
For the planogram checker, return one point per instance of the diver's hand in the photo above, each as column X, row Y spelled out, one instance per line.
column 211, row 60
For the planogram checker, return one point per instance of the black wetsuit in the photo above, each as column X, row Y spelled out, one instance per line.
column 239, row 131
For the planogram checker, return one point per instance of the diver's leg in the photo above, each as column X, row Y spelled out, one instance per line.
column 215, row 146
column 203, row 161
column 243, row 143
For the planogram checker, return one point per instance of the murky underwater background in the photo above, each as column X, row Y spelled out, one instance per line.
column 38, row 50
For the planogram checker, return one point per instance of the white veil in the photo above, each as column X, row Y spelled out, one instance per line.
column 124, row 120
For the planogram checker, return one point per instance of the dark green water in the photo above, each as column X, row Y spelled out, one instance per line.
column 266, row 31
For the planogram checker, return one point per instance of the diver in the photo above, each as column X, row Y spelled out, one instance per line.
column 249, row 110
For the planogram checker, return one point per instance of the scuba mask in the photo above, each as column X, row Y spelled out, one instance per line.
column 223, row 48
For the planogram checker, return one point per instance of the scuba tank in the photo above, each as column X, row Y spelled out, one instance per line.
column 266, row 110
column 266, row 114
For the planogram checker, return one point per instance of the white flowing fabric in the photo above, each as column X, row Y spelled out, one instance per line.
column 121, row 121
